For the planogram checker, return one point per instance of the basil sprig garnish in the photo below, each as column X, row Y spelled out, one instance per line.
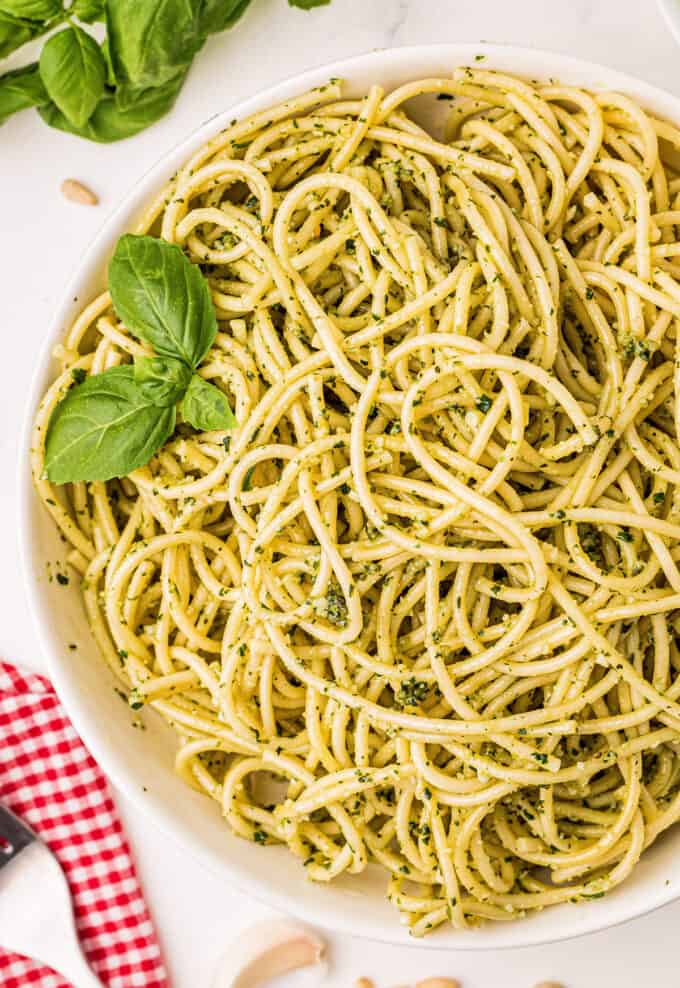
column 114, row 422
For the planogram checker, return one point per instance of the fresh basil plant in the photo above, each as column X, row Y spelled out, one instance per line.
column 110, row 91
column 112, row 423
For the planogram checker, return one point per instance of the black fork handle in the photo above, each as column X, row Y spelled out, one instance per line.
column 14, row 835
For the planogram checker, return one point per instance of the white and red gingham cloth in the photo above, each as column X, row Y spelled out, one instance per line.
column 49, row 778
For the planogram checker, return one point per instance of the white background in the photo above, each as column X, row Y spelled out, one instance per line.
column 42, row 238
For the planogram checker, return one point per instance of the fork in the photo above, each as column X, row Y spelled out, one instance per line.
column 36, row 916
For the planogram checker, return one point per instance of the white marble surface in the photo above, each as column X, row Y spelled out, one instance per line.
column 196, row 915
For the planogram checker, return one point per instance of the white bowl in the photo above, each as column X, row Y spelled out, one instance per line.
column 140, row 763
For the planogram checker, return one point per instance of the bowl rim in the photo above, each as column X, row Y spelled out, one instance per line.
column 670, row 11
column 119, row 220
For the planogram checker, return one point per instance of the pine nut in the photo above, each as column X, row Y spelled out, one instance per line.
column 364, row 983
column 549, row 984
column 75, row 191
column 438, row 983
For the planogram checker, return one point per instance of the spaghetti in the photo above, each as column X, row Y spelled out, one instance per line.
column 420, row 607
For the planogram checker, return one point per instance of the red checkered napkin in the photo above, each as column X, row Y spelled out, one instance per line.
column 49, row 778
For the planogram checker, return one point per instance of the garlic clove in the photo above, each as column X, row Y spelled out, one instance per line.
column 266, row 951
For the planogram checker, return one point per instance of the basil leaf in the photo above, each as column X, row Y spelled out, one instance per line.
column 104, row 428
column 131, row 97
column 73, row 70
column 308, row 4
column 206, row 407
column 15, row 32
column 111, row 123
column 162, row 298
column 218, row 15
column 32, row 10
column 20, row 89
column 88, row 11
column 162, row 380
column 152, row 42
column 110, row 74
